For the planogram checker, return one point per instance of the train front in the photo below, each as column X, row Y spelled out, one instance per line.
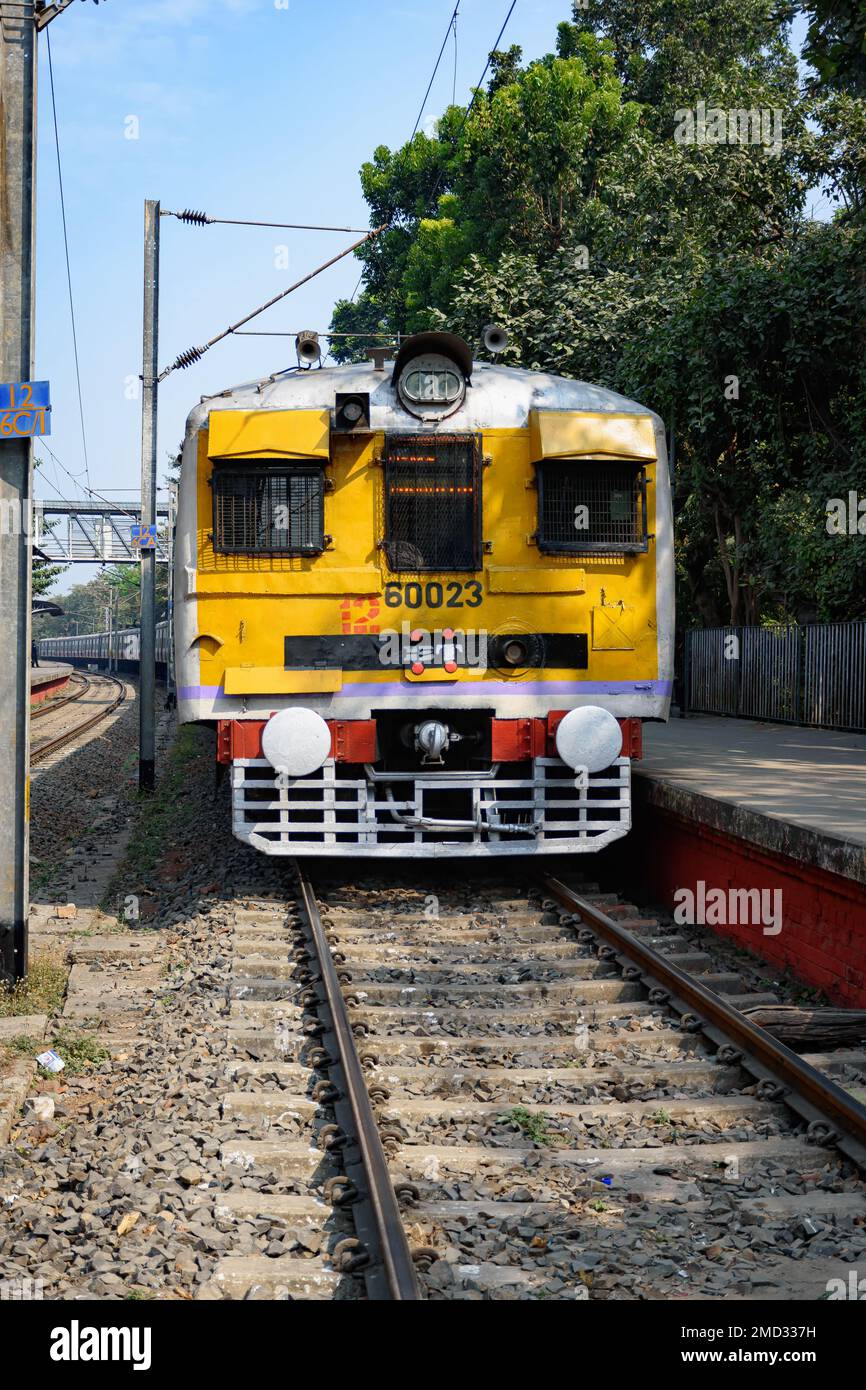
column 426, row 604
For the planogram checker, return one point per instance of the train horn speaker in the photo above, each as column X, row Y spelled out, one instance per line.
column 495, row 339
column 307, row 347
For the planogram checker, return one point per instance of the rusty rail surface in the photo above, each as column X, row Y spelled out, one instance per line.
column 51, row 745
column 48, row 706
column 832, row 1114
column 391, row 1273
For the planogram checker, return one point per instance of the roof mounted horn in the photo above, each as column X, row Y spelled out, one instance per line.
column 495, row 339
column 307, row 347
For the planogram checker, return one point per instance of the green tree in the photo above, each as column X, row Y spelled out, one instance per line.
column 685, row 274
column 85, row 606
column 836, row 44
column 770, row 404
column 45, row 574
column 521, row 173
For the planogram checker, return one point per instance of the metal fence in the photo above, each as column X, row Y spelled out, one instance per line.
column 812, row 675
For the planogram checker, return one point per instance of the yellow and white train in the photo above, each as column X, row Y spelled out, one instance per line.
column 426, row 604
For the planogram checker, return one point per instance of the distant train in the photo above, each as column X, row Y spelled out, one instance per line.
column 91, row 649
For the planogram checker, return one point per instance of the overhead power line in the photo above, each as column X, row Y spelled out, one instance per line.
column 293, row 333
column 476, row 90
column 454, row 82
column 468, row 111
column 194, row 354
column 73, row 476
column 204, row 219
column 68, row 270
column 43, row 463
column 90, row 491
column 494, row 49
column 357, row 287
column 451, row 25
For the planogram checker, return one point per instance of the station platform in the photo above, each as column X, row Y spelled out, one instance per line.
column 739, row 805
column 46, row 679
column 790, row 789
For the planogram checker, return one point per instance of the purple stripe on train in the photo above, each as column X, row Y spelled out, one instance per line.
column 507, row 688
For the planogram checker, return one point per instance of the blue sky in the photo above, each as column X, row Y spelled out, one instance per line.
column 245, row 108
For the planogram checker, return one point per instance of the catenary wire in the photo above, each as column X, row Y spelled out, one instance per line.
column 204, row 219
column 194, row 354
column 451, row 23
column 66, row 249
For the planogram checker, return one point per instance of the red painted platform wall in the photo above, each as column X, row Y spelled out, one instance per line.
column 39, row 691
column 823, row 936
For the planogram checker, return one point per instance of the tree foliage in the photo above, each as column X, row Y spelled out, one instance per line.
column 85, row 606
column 684, row 273
column 836, row 44
column 44, row 572
column 44, row 575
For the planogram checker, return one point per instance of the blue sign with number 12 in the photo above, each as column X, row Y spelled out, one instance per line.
column 145, row 536
column 25, row 409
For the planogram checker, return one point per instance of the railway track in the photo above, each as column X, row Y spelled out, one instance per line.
column 114, row 692
column 487, row 1094
column 50, row 706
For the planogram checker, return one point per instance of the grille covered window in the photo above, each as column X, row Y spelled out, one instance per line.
column 432, row 502
column 591, row 505
column 273, row 509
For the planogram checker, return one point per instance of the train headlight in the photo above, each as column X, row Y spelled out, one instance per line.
column 296, row 741
column 589, row 737
column 352, row 410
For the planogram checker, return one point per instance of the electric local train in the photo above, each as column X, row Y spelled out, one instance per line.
column 119, row 649
column 425, row 603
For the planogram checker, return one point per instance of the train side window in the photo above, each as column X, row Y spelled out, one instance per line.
column 432, row 502
column 269, row 509
column 587, row 505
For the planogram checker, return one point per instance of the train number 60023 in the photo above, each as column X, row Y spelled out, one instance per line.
column 434, row 594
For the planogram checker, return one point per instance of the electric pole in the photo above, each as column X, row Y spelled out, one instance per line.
column 149, row 387
column 20, row 24
column 17, row 180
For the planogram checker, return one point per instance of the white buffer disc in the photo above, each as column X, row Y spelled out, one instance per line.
column 589, row 737
column 296, row 741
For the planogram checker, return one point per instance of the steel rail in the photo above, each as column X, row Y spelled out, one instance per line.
column 812, row 1095
column 393, row 1246
column 42, row 750
column 49, row 706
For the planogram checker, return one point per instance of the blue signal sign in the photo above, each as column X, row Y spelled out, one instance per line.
column 144, row 536
column 25, row 409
